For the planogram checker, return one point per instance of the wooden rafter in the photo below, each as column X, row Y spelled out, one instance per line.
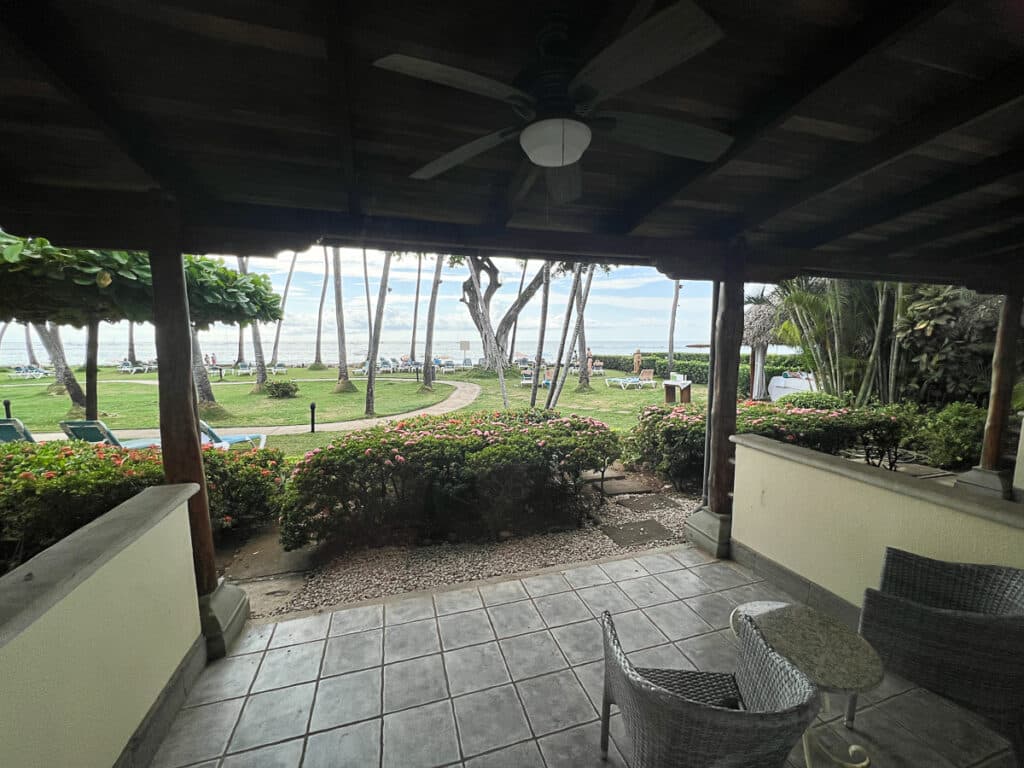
column 884, row 24
column 339, row 100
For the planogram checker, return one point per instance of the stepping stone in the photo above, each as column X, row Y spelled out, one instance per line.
column 649, row 502
column 591, row 476
column 626, row 485
column 638, row 532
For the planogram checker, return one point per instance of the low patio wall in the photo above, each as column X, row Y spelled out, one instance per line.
column 92, row 630
column 828, row 520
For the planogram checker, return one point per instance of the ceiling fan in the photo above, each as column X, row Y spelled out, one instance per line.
column 555, row 98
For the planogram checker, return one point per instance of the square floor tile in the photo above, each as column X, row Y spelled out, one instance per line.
column 713, row 652
column 420, row 737
column 502, row 592
column 255, row 637
column 515, row 618
column 658, row 563
column 677, row 620
column 581, row 642
column 636, row 631
column 620, row 570
column 284, row 755
column 585, row 576
column 300, row 630
column 225, row 679
column 490, row 719
column 606, row 597
column 578, row 748
column 690, row 556
column 198, row 733
column 414, row 682
column 357, row 619
column 714, row 609
column 289, row 665
column 646, row 591
column 411, row 609
column 546, row 584
column 523, row 755
column 720, row 576
column 345, row 699
column 467, row 628
column 759, row 591
column 405, row 641
column 684, row 583
column 563, row 608
column 530, row 655
column 475, row 667
column 354, row 745
column 555, row 701
column 660, row 657
column 347, row 653
column 273, row 716
column 457, row 600
column 591, row 677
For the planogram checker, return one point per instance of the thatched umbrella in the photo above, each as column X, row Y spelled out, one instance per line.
column 759, row 330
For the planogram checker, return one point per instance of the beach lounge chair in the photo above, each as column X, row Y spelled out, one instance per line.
column 647, row 378
column 226, row 441
column 243, row 369
column 277, row 369
column 98, row 432
column 13, row 431
column 526, row 378
column 623, row 382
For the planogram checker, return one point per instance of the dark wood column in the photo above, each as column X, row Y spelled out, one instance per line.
column 728, row 337
column 1004, row 369
column 179, row 420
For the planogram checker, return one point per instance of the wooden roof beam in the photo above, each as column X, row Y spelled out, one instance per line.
column 884, row 23
column 339, row 100
column 1002, row 91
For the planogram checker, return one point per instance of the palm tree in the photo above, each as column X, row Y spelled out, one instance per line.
column 131, row 342
column 4, row 330
column 538, row 359
column 344, row 384
column 576, row 270
column 284, row 300
column 369, row 308
column 416, row 307
column 62, row 373
column 201, row 377
column 672, row 324
column 318, row 361
column 257, row 341
column 581, row 332
column 240, row 356
column 515, row 325
column 581, row 295
column 32, row 359
column 371, row 366
column 428, row 347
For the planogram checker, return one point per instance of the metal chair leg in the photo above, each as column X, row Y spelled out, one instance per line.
column 606, row 713
column 851, row 710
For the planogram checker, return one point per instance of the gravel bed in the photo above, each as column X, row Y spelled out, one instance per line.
column 384, row 571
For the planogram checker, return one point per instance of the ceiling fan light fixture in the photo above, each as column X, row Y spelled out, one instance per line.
column 555, row 142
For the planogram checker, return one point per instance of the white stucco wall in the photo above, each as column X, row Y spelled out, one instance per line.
column 829, row 519
column 79, row 674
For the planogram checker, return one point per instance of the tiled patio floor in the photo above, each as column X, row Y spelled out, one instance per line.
column 508, row 674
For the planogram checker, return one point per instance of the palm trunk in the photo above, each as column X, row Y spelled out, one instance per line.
column 369, row 307
column 240, row 355
column 576, row 270
column 92, row 340
column 672, row 326
column 416, row 307
column 538, row 359
column 837, row 328
column 284, row 300
column 895, row 361
column 428, row 347
column 318, row 360
column 3, row 331
column 491, row 349
column 371, row 373
column 257, row 341
column 515, row 325
column 581, row 296
column 200, row 375
column 62, row 373
column 344, row 384
column 758, row 385
column 581, row 332
column 870, row 378
column 32, row 359
column 132, row 358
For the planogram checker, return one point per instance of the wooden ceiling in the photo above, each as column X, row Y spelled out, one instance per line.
column 872, row 139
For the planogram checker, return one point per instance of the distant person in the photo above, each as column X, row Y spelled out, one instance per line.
column 590, row 361
column 213, row 359
column 206, row 359
column 638, row 360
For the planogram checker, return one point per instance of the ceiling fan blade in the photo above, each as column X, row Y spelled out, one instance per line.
column 565, row 183
column 662, row 42
column 661, row 134
column 454, row 77
column 465, row 152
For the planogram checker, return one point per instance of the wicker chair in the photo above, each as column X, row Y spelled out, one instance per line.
column 682, row 718
column 956, row 629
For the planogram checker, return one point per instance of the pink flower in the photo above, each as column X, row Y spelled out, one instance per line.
column 388, row 463
column 367, row 452
column 400, row 459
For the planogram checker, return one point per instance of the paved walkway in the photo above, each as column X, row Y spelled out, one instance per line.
column 465, row 393
column 509, row 673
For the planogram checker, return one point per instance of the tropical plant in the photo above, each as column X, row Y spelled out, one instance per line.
column 281, row 389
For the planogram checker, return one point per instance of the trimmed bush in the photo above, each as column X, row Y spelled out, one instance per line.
column 470, row 476
column 281, row 389
column 952, row 437
column 48, row 490
column 810, row 400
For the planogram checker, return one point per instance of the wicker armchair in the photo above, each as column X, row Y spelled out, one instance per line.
column 956, row 629
column 682, row 718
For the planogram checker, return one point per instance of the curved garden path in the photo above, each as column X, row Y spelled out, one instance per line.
column 465, row 392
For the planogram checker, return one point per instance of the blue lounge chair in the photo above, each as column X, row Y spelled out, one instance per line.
column 257, row 441
column 98, row 432
column 13, row 431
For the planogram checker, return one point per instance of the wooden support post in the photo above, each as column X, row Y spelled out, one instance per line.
column 728, row 337
column 91, row 353
column 1004, row 369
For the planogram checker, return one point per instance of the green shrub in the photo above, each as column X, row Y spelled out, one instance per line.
column 951, row 438
column 281, row 389
column 48, row 490
column 468, row 475
column 811, row 400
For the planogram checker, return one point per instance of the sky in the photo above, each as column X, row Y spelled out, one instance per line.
column 628, row 307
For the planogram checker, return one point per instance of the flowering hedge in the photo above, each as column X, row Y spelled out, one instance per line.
column 48, row 490
column 671, row 440
column 470, row 476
